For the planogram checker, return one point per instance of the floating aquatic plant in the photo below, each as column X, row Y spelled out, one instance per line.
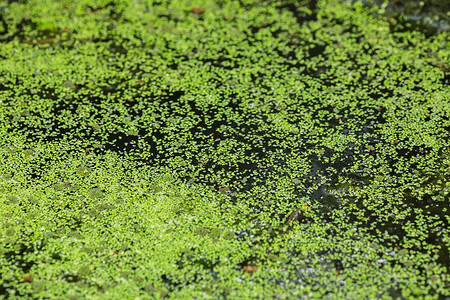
column 95, row 193
column 83, row 171
column 238, row 151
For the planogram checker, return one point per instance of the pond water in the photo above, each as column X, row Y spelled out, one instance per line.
column 293, row 148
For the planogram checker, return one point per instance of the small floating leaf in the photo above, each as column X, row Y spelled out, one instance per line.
column 96, row 126
column 228, row 235
column 296, row 181
column 187, row 251
column 133, row 131
column 84, row 270
column 156, row 188
column 7, row 176
column 46, row 26
column 95, row 193
column 273, row 257
column 10, row 232
column 168, row 178
column 201, row 231
column 198, row 11
column 59, row 186
column 83, row 171
column 224, row 190
column 73, row 297
column 73, row 188
column 68, row 84
column 12, row 200
column 215, row 232
column 28, row 278
column 250, row 269
column 28, row 152
column 38, row 286
column 402, row 252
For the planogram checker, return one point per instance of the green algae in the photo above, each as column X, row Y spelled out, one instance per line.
column 281, row 149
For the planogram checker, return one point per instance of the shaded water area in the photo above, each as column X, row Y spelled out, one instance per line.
column 310, row 156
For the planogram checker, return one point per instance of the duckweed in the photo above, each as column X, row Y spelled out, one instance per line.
column 95, row 193
column 240, row 149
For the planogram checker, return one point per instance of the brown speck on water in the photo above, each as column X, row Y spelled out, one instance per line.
column 28, row 278
column 197, row 11
column 250, row 269
column 295, row 216
column 224, row 190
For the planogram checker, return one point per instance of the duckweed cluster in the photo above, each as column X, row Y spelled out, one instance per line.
column 222, row 149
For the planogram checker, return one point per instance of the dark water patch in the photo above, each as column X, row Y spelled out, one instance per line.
column 69, row 277
column 313, row 187
column 316, row 50
column 203, row 262
column 414, row 151
column 19, row 255
column 295, row 7
column 381, row 93
column 424, row 22
column 121, row 142
column 398, row 228
column 379, row 114
column 168, row 107
column 99, row 8
column 223, row 62
column 114, row 45
column 446, row 79
column 10, row 34
column 254, row 29
column 321, row 166
column 428, row 17
column 56, row 128
column 4, row 27
column 291, row 60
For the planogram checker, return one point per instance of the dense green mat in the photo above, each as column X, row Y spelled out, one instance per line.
column 222, row 149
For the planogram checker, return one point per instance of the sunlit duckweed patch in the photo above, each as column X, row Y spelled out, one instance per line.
column 279, row 149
